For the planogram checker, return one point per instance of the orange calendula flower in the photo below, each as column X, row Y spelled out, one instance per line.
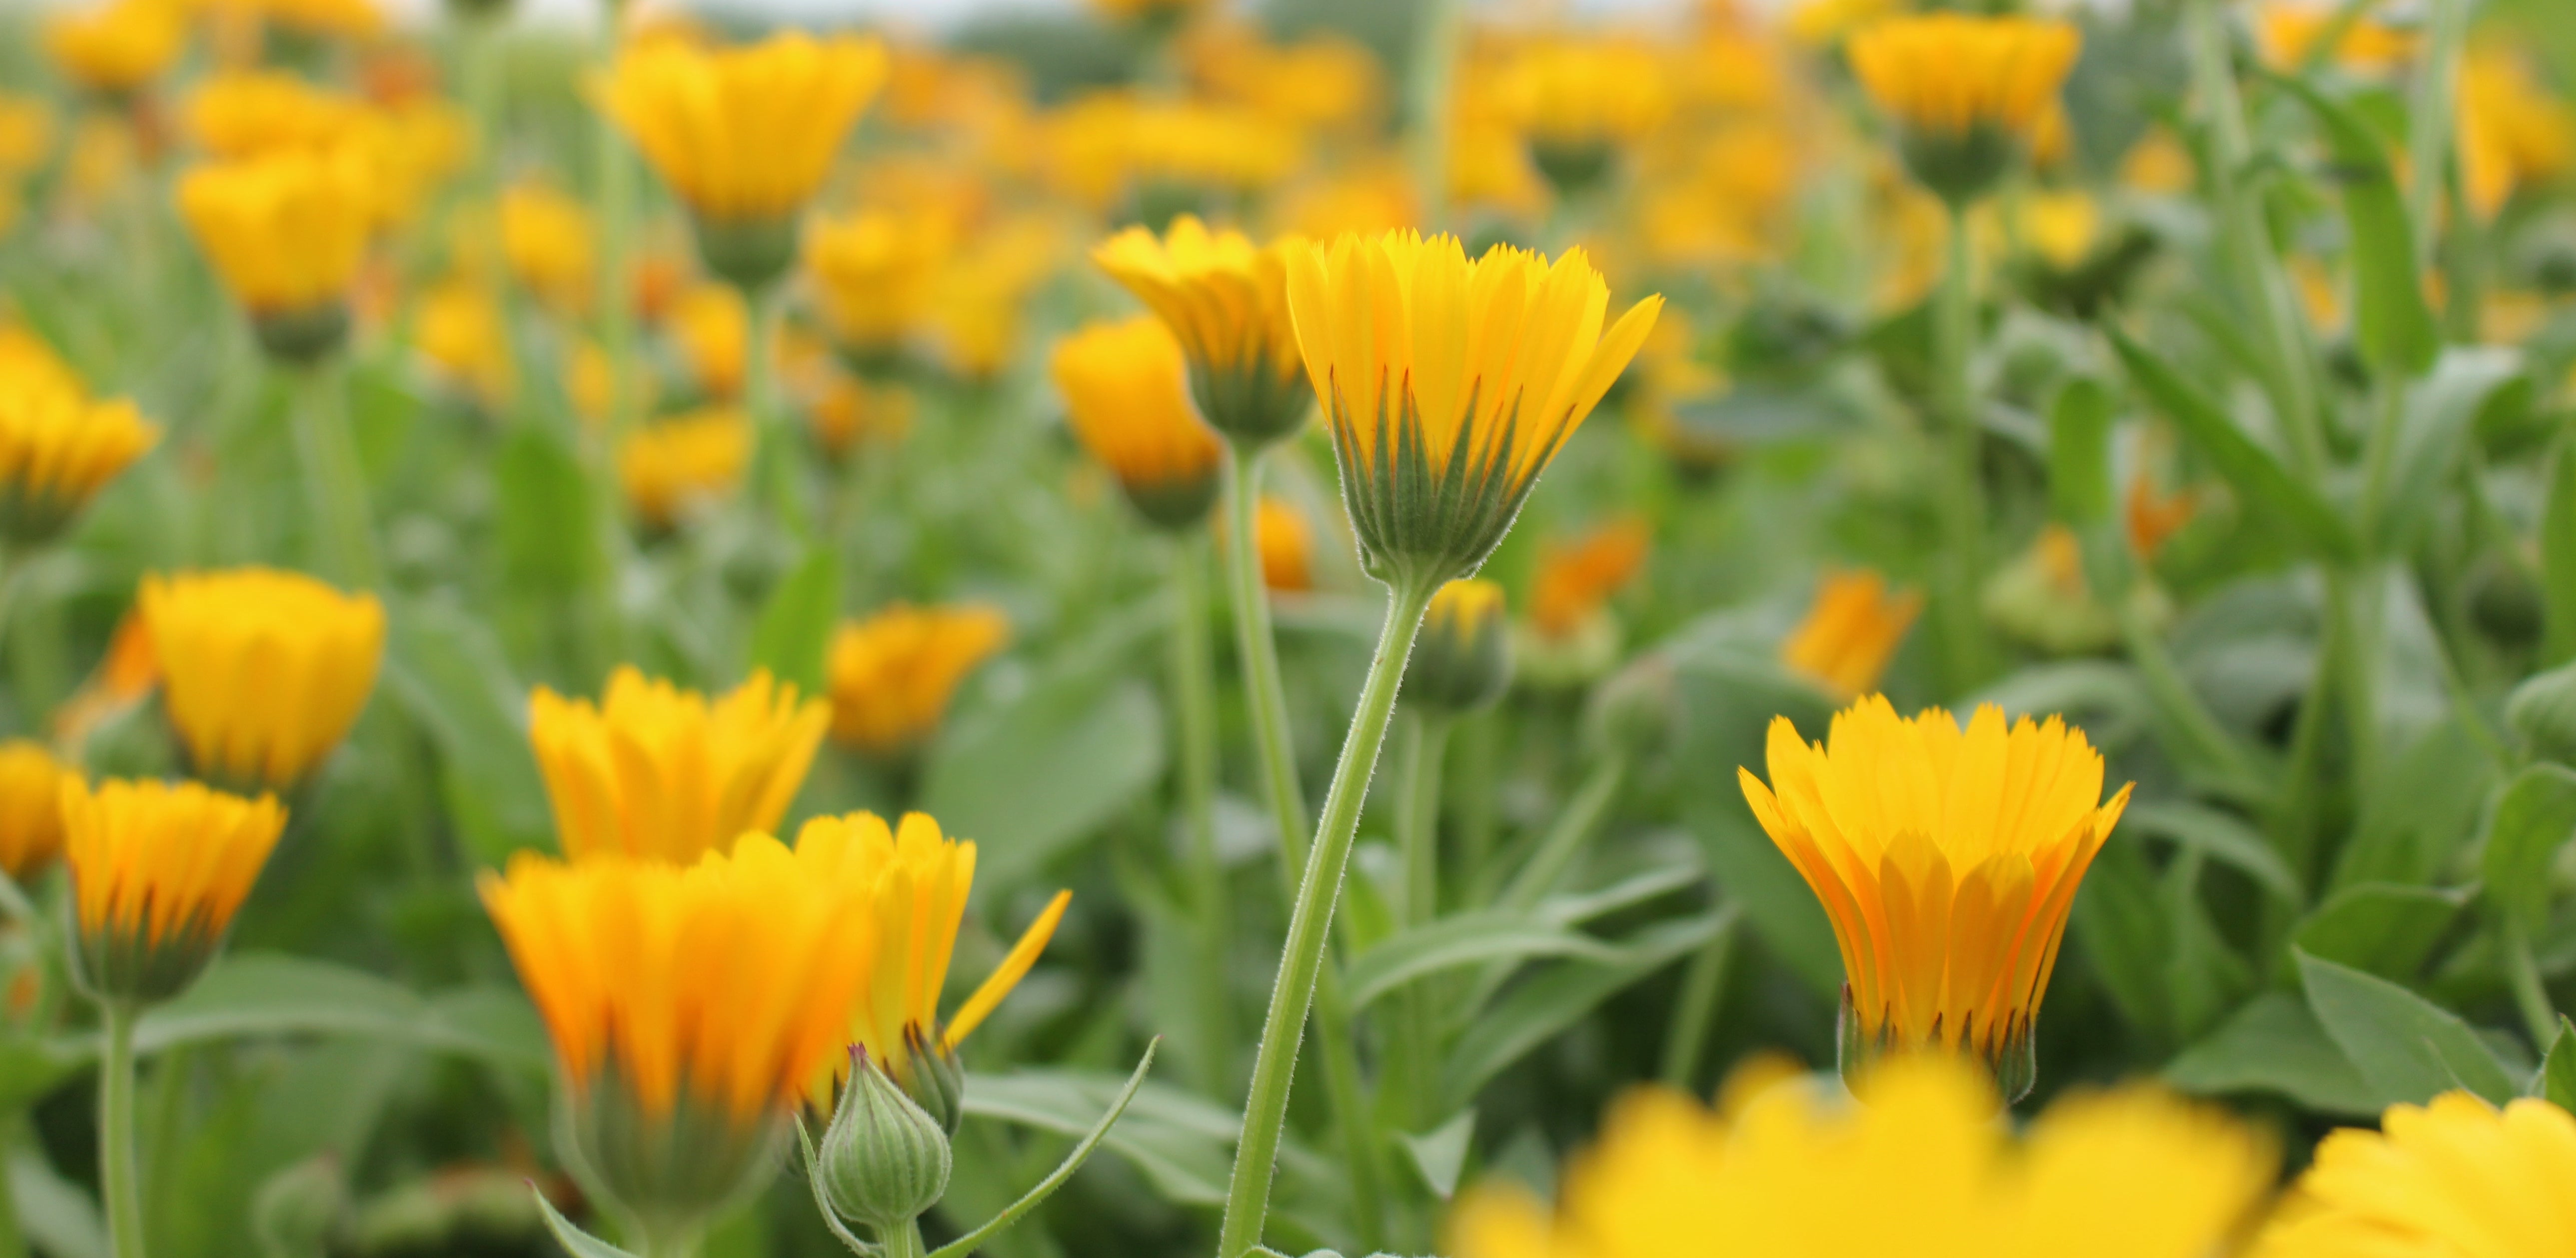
column 1226, row 300
column 1127, row 398
column 656, row 771
column 117, row 46
column 893, row 674
column 2152, row 515
column 58, row 447
column 31, row 808
column 263, row 671
column 1577, row 578
column 677, row 465
column 1947, row 859
column 845, row 413
column 2455, row 1176
column 158, row 871
column 1850, row 632
column 1450, row 384
column 1967, row 91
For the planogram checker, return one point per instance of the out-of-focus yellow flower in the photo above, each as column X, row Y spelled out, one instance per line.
column 117, row 46
column 1967, row 91
column 2042, row 597
column 1324, row 81
column 674, row 466
column 1108, row 144
column 2289, row 30
column 712, row 325
column 1126, row 395
column 26, row 134
column 158, row 870
column 1285, row 540
column 1450, row 384
column 2513, row 133
column 2061, row 226
column 264, row 671
column 101, row 159
column 846, row 412
column 241, row 113
column 417, row 145
column 546, row 236
column 893, row 674
column 984, row 293
column 1463, row 660
column 1365, row 197
column 1828, row 21
column 341, row 19
column 1918, row 1165
column 2151, row 515
column 2455, row 1176
column 1850, row 632
column 1948, row 896
column 589, row 381
column 461, row 330
column 744, row 135
column 1725, row 206
column 1577, row 102
column 1576, row 579
column 658, row 772
column 58, row 447
column 877, row 274
column 1732, row 67
column 2159, row 164
column 285, row 229
column 31, row 808
column 1226, row 301
column 1149, row 11
column 690, row 1007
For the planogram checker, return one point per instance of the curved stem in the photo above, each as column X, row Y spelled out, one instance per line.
column 1194, row 702
column 335, row 481
column 1962, row 507
column 2530, row 995
column 116, row 1164
column 1265, row 1111
column 1268, row 696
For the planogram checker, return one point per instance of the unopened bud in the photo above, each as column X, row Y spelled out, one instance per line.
column 2543, row 711
column 1636, row 712
column 749, row 254
column 884, row 1160
column 933, row 1077
column 1463, row 660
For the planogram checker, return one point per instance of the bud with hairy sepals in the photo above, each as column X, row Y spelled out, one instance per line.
column 884, row 1161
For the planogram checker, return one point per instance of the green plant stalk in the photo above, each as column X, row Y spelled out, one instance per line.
column 2530, row 995
column 1962, row 505
column 14, row 563
column 2428, row 141
column 117, row 1180
column 773, row 433
column 13, row 1243
column 1194, row 701
column 1435, row 60
column 1703, row 986
column 900, row 1242
column 1565, row 839
column 1265, row 1111
column 335, row 480
column 1417, row 834
column 478, row 41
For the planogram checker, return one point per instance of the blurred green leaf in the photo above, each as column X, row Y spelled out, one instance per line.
column 265, row 994
column 1782, row 909
column 2532, row 820
column 2079, row 452
column 1050, row 770
column 2558, row 561
column 2556, row 1082
column 2542, row 710
column 55, row 1213
column 30, row 1068
column 2257, row 476
column 449, row 673
column 2395, row 326
column 2274, row 1044
column 2406, row 1048
column 2222, row 837
column 2380, row 928
column 1544, row 1007
column 2439, row 413
column 1440, row 1154
column 548, row 524
column 2419, row 811
column 576, row 1242
column 2120, row 930
column 2204, row 975
column 1463, row 939
column 795, row 625
column 1179, row 1142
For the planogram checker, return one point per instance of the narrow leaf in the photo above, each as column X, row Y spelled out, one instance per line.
column 795, row 626
column 2274, row 1044
column 1064, row 1170
column 2556, row 1082
column 576, row 1242
column 2222, row 837
column 2407, row 1048
column 2380, row 928
column 2396, row 327
column 2256, row 475
column 1440, row 1154
column 1463, row 939
column 2079, row 452
column 2532, row 820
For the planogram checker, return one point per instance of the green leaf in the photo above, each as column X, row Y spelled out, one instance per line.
column 2558, row 562
column 2407, row 1048
column 576, row 1242
column 58, row 1215
column 2419, row 811
column 1064, row 1170
column 30, row 1068
column 1776, row 900
column 547, row 524
column 1462, row 939
column 2122, row 933
column 795, row 625
column 2556, row 1082
column 1179, row 1142
column 2396, row 327
column 2257, row 476
column 2079, row 452
column 1053, row 768
column 2439, row 413
column 1440, row 1154
column 2221, row 836
column 448, row 672
column 1537, row 1011
column 2532, row 820
column 2274, row 1044
column 2380, row 928
column 266, row 994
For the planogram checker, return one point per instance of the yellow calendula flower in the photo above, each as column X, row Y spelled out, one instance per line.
column 845, row 413
column 31, row 808
column 652, row 770
column 58, row 447
column 893, row 674
column 1450, row 384
column 1576, row 579
column 241, row 113
column 744, row 135
column 984, row 293
column 1126, row 395
column 712, row 325
column 263, row 671
column 460, row 328
column 1918, row 1165
column 1578, row 102
column 675, row 466
column 2160, row 165
column 1947, row 859
column 877, row 275
column 1110, row 145
column 1463, row 660
column 689, row 1005
column 2061, row 226
column 1324, row 81
column 1850, row 632
column 1968, row 93
column 1823, row 22
column 2453, row 1177
column 546, row 236
column 286, row 231
column 911, row 884
column 1226, row 300
column 158, row 870
column 2512, row 132
column 26, row 134
column 117, row 46
column 1285, row 540
column 2288, row 31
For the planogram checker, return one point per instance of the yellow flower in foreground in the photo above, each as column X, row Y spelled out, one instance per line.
column 877, row 274
column 1226, row 300
column 461, row 329
column 2513, row 133
column 157, row 874
column 1850, row 632
column 1450, row 384
column 1577, row 578
column 264, row 671
column 117, row 46
column 31, row 808
column 689, row 1006
column 1967, row 91
column 1918, row 1166
column 652, row 770
column 1463, row 660
column 2451, row 1178
column 286, row 231
column 674, row 466
column 893, row 674
column 546, row 237
column 1948, row 860
column 912, row 885
column 57, row 446
column 1127, row 398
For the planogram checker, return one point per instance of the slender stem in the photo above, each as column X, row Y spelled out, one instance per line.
column 1194, row 702
column 2530, row 995
column 774, row 437
column 1417, row 834
column 2428, row 143
column 1566, row 838
column 1268, row 696
column 1265, row 1111
column 13, row 569
column 13, row 1243
column 1962, row 507
column 1362, row 1150
column 1703, row 986
column 900, row 1242
column 335, row 481
column 1435, row 58
column 116, row 1164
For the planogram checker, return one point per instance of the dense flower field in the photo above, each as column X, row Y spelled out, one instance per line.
column 1868, row 629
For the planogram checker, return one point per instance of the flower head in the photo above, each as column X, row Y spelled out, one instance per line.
column 58, row 447
column 1126, row 397
column 1576, row 579
column 2513, row 133
column 263, row 671
column 658, row 772
column 1463, row 658
column 285, row 231
column 2288, row 31
column 157, row 873
column 1918, row 1166
column 243, row 113
column 845, row 413
column 677, row 464
column 117, row 46
column 1285, row 540
column 1850, row 632
column 463, row 332
column 877, row 275
column 1576, row 102
column 1967, row 91
column 712, row 325
column 31, row 808
column 1450, row 383
column 1947, row 859
column 1227, row 302
column 546, row 236
column 2452, row 1177
column 893, row 674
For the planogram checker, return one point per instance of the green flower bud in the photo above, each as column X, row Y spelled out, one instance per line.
column 884, row 1160
column 301, row 338
column 749, row 254
column 934, row 1078
column 1463, row 660
column 2543, row 711
column 1635, row 712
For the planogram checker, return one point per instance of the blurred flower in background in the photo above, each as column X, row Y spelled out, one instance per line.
column 893, row 673
column 31, row 809
column 674, row 467
column 263, row 672
column 655, row 771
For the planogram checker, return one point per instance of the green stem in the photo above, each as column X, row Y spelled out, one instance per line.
column 1703, row 986
column 1962, row 507
column 2530, row 995
column 116, row 1164
column 1475, row 792
column 773, row 433
column 13, row 1242
column 1194, row 702
column 1435, row 58
column 1260, row 652
column 14, row 563
column 900, row 1242
column 335, row 481
column 2428, row 145
column 1565, row 839
column 1417, row 834
column 1265, row 1111
column 478, row 47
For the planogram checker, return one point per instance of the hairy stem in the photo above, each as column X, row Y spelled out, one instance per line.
column 116, row 1162
column 1962, row 505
